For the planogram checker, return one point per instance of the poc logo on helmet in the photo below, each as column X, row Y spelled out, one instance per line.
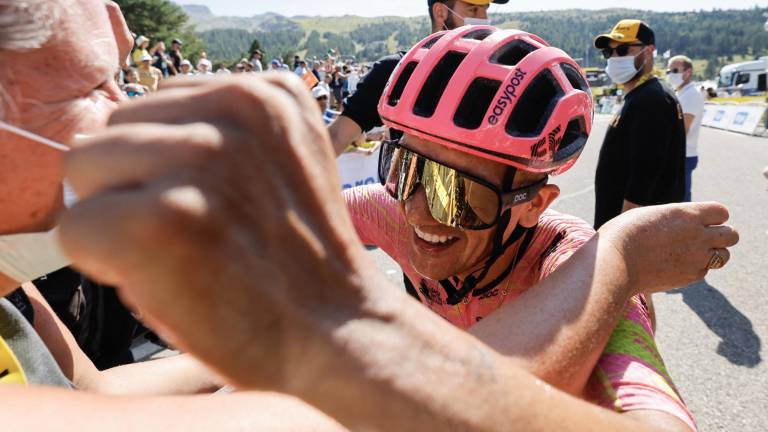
column 510, row 92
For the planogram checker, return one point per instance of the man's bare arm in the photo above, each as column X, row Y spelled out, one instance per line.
column 343, row 131
column 558, row 329
column 180, row 374
column 68, row 411
column 688, row 119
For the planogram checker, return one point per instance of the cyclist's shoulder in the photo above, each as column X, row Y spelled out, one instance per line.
column 553, row 220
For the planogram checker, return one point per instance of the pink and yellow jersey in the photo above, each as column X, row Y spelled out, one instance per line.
column 630, row 374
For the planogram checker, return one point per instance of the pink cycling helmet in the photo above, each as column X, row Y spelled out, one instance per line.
column 504, row 95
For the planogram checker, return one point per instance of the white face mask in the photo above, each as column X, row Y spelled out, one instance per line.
column 675, row 79
column 621, row 69
column 469, row 20
column 28, row 256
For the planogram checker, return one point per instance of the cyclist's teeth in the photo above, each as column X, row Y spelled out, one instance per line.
column 432, row 238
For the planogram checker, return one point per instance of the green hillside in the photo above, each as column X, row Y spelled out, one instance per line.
column 712, row 37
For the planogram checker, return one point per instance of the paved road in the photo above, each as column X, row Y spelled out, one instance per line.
column 711, row 334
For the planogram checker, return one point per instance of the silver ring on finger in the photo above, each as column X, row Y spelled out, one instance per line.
column 717, row 260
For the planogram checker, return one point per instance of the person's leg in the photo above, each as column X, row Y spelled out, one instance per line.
column 690, row 165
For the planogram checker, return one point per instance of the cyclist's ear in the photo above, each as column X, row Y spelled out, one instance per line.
column 532, row 210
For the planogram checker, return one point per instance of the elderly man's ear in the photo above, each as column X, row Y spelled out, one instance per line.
column 120, row 30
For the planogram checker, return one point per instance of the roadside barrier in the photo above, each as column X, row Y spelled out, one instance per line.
column 358, row 169
column 747, row 118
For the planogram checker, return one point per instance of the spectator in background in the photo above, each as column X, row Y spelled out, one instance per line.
column 176, row 55
column 296, row 60
column 317, row 70
column 337, row 87
column 680, row 76
column 161, row 60
column 642, row 160
column 302, row 69
column 142, row 43
column 255, row 62
column 186, row 68
column 275, row 65
column 204, row 67
column 149, row 75
column 321, row 95
column 345, row 84
column 352, row 80
column 223, row 71
column 132, row 86
column 324, row 84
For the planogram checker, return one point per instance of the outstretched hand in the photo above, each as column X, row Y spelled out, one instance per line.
column 670, row 246
column 214, row 206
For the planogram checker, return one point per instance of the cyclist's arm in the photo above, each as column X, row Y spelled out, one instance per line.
column 174, row 375
column 631, row 376
column 558, row 329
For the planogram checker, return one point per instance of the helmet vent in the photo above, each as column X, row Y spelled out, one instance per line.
column 512, row 53
column 573, row 141
column 435, row 85
column 478, row 34
column 536, row 104
column 475, row 103
column 397, row 90
column 574, row 77
column 428, row 44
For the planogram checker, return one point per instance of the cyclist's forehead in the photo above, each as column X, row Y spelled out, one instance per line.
column 488, row 170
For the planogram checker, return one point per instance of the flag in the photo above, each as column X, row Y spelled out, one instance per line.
column 310, row 79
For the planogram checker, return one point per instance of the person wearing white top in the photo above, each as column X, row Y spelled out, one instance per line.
column 680, row 75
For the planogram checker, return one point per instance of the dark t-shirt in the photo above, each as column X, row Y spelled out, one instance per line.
column 362, row 106
column 643, row 155
column 176, row 58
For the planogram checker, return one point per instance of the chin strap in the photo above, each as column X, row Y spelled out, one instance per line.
column 500, row 246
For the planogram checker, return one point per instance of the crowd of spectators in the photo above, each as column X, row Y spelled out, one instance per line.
column 330, row 80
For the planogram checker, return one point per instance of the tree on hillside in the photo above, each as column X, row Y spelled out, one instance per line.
column 161, row 20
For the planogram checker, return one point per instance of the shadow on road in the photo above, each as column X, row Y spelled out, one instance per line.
column 739, row 342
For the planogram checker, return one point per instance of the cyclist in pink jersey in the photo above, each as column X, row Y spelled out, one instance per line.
column 488, row 115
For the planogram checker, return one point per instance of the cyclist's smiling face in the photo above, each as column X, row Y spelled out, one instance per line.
column 464, row 249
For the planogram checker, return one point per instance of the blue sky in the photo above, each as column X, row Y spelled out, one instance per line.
column 418, row 7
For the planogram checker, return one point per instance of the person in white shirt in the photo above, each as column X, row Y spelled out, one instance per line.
column 680, row 75
column 204, row 67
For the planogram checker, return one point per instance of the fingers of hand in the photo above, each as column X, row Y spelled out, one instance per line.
column 115, row 234
column 131, row 155
column 251, row 101
column 711, row 213
column 722, row 236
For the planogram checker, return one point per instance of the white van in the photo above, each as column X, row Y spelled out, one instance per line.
column 746, row 78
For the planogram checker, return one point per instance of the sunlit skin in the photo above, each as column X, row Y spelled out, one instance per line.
column 472, row 247
column 78, row 101
column 444, row 19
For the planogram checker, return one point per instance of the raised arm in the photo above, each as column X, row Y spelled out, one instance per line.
column 569, row 316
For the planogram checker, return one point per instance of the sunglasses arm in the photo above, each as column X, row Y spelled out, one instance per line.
column 523, row 194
